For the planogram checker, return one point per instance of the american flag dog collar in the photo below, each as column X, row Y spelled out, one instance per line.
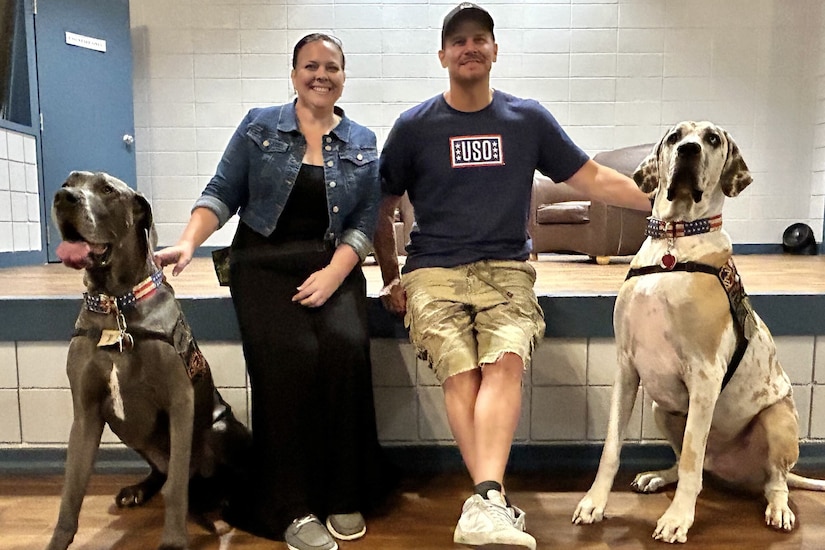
column 103, row 303
column 659, row 229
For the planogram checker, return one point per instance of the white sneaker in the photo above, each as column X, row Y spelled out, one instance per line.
column 491, row 521
column 518, row 516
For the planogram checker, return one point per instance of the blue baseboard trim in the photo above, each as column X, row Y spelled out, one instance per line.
column 411, row 460
column 52, row 319
column 18, row 259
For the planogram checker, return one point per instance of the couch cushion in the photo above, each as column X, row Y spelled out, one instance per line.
column 564, row 212
column 626, row 159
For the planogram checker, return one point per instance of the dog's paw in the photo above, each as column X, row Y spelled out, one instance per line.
column 650, row 482
column 673, row 528
column 131, row 496
column 589, row 510
column 780, row 517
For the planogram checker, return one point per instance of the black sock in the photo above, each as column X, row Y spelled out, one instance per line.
column 484, row 486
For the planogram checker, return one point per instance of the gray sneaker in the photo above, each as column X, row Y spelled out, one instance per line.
column 308, row 533
column 347, row 526
column 490, row 521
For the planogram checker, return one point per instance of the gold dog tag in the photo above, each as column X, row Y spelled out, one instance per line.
column 109, row 338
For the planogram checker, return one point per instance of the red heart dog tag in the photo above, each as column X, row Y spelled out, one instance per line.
column 668, row 261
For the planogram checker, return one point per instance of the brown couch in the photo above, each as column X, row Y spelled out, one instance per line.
column 563, row 220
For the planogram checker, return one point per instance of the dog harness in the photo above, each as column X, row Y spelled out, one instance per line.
column 740, row 305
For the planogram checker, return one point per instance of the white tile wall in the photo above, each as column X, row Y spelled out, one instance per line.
column 10, row 419
column 566, row 395
column 614, row 72
column 19, row 193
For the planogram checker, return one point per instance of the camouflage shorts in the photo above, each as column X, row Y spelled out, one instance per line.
column 463, row 317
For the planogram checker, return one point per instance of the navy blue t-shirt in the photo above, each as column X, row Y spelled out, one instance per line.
column 469, row 176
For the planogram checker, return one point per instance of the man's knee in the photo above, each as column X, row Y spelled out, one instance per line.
column 507, row 365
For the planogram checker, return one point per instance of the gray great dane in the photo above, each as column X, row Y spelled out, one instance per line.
column 685, row 329
column 134, row 365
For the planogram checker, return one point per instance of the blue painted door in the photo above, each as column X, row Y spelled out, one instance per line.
column 85, row 94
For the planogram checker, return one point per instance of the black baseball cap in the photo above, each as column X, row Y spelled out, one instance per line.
column 462, row 12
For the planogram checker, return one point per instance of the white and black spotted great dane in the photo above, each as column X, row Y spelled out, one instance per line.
column 684, row 328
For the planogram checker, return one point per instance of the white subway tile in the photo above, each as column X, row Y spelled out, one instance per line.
column 265, row 16
column 20, row 236
column 6, row 229
column 819, row 360
column 593, row 65
column 594, row 16
column 393, row 362
column 216, row 17
column 644, row 14
column 8, row 366
column 802, row 400
column 19, row 208
column 45, row 415
column 432, row 415
column 29, row 150
column 796, row 355
column 559, row 361
column 594, row 41
column 35, row 236
column 42, row 364
column 547, row 41
column 265, row 42
column 601, row 361
column 598, row 414
column 10, row 419
column 5, row 184
column 396, row 414
column 16, row 150
column 226, row 362
column 545, row 15
column 641, row 41
column 558, row 413
column 207, row 41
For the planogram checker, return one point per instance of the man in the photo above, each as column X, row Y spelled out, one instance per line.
column 466, row 158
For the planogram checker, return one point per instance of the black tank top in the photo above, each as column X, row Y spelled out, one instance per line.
column 305, row 215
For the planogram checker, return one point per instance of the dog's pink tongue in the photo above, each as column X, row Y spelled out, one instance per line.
column 74, row 254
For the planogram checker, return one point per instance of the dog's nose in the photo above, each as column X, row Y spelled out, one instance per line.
column 689, row 149
column 65, row 196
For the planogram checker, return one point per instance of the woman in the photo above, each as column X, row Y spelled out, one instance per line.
column 304, row 179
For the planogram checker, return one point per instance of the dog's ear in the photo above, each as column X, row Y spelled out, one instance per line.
column 144, row 221
column 735, row 174
column 646, row 175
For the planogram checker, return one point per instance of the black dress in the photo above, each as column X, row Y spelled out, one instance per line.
column 315, row 444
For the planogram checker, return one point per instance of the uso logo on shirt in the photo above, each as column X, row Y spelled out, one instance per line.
column 467, row 151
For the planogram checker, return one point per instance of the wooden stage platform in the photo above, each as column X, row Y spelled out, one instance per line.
column 557, row 275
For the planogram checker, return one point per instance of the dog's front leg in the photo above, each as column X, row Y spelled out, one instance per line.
column 176, row 489
column 625, row 387
column 673, row 526
column 84, row 440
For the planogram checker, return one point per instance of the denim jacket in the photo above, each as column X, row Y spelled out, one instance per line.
column 261, row 162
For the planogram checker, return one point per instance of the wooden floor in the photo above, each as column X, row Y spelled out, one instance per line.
column 422, row 516
column 556, row 275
